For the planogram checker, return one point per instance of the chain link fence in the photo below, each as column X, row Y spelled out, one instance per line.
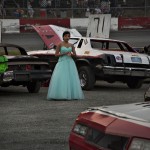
column 40, row 9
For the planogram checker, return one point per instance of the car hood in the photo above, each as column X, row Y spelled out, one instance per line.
column 126, row 57
column 52, row 34
column 136, row 112
column 128, row 119
column 26, row 59
column 20, row 57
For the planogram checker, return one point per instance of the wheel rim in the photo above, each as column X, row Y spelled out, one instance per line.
column 83, row 79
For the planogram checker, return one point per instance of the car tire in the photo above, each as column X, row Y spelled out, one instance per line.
column 134, row 83
column 87, row 78
column 34, row 87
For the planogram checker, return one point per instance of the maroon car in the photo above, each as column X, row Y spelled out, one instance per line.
column 118, row 127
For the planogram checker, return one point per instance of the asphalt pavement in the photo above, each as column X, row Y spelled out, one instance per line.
column 30, row 122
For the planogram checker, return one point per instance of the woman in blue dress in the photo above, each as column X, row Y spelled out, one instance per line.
column 65, row 83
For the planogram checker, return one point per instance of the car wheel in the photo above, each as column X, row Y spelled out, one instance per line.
column 87, row 78
column 134, row 83
column 34, row 87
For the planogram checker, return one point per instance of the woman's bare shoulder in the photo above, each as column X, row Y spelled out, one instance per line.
column 60, row 44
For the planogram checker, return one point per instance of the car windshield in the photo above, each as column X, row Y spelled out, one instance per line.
column 111, row 45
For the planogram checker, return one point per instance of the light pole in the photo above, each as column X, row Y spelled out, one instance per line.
column 72, row 2
column 145, row 7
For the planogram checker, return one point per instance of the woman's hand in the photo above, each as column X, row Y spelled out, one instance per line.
column 69, row 54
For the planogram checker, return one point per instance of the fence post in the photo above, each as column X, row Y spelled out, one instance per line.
column 72, row 2
column 145, row 8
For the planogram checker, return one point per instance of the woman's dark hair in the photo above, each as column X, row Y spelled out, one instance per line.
column 66, row 32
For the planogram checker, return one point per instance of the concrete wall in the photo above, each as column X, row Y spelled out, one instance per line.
column 25, row 25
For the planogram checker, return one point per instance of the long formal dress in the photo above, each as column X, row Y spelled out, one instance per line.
column 65, row 83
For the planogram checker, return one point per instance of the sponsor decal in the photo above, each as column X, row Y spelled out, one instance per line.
column 118, row 58
column 87, row 52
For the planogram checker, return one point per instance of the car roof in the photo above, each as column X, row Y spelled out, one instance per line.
column 135, row 111
column 23, row 51
column 10, row 45
column 103, row 39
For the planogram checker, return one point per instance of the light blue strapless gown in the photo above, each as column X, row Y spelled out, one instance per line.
column 65, row 83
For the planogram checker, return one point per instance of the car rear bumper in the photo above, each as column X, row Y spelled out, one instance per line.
column 26, row 75
column 126, row 71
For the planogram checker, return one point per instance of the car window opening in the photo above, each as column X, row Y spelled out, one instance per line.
column 101, row 139
column 104, row 140
column 110, row 45
column 13, row 51
column 80, row 43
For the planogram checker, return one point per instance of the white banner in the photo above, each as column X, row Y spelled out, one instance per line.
column 10, row 25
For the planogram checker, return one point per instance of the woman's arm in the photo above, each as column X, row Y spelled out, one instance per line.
column 57, row 53
column 73, row 51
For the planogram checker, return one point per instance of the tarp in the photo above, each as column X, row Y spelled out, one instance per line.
column 3, row 64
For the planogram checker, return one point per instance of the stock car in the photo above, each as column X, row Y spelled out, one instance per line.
column 22, row 69
column 116, row 127
column 97, row 58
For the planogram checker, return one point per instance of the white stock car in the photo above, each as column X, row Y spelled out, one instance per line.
column 97, row 58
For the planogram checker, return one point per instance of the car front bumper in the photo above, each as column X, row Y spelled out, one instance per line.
column 126, row 71
column 26, row 75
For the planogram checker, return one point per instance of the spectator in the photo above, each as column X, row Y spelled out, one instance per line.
column 85, row 3
column 87, row 12
column 49, row 3
column 19, row 13
column 30, row 10
column 2, row 8
column 98, row 10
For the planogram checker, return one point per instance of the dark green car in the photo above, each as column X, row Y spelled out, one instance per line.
column 18, row 68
